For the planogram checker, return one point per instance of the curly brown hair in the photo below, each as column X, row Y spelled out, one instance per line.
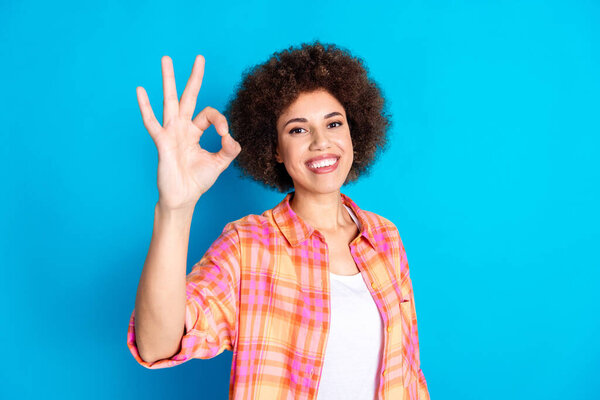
column 267, row 89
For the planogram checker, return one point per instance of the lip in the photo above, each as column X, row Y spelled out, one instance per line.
column 323, row 170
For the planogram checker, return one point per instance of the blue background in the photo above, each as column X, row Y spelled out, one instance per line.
column 491, row 178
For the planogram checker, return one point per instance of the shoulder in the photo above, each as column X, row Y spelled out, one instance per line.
column 250, row 221
column 386, row 240
column 380, row 224
column 385, row 235
column 251, row 226
column 239, row 234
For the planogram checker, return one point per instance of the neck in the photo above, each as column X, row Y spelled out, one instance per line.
column 323, row 211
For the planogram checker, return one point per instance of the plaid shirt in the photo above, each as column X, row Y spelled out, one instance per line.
column 262, row 291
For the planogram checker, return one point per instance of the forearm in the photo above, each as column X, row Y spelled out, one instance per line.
column 160, row 300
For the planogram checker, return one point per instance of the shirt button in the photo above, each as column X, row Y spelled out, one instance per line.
column 373, row 285
column 384, row 372
column 389, row 328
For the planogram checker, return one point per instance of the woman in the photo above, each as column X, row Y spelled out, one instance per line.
column 313, row 296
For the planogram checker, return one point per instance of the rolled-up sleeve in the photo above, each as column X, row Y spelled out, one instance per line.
column 211, row 305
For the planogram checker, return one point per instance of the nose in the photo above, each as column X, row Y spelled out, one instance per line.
column 320, row 140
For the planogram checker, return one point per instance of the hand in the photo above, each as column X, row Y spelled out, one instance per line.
column 185, row 170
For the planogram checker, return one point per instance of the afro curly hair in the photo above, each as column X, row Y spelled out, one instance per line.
column 267, row 89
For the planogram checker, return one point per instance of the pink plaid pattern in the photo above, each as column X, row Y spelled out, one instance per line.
column 262, row 291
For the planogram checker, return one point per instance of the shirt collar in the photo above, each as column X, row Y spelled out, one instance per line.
column 297, row 231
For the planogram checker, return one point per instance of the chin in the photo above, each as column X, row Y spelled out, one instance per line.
column 321, row 185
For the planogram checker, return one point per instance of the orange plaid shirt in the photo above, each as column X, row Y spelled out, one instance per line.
column 262, row 291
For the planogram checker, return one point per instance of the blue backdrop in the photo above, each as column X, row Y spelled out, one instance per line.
column 491, row 178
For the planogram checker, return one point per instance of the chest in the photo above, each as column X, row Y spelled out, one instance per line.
column 340, row 257
column 286, row 303
column 341, row 261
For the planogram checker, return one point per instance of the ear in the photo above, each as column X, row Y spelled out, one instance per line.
column 277, row 156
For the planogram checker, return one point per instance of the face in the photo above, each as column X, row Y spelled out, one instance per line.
column 314, row 142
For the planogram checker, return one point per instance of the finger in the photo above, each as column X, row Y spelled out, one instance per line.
column 190, row 93
column 210, row 116
column 230, row 148
column 148, row 117
column 170, row 100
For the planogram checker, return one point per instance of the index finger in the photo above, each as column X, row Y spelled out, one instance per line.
column 210, row 116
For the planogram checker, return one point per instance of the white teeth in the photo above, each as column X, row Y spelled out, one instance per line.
column 323, row 163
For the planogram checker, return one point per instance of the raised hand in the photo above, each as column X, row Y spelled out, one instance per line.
column 185, row 170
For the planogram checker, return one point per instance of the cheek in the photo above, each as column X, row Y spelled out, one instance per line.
column 347, row 145
column 350, row 150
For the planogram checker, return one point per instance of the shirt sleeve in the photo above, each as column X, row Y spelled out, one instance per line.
column 407, row 290
column 211, row 305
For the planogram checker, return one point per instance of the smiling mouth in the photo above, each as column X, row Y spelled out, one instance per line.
column 324, row 166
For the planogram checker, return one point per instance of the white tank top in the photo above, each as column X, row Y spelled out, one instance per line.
column 354, row 346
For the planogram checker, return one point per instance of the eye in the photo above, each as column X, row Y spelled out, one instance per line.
column 296, row 130
column 336, row 122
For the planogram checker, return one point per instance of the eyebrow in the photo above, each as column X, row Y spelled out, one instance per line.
column 305, row 120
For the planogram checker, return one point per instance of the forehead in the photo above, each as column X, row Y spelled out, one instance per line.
column 312, row 103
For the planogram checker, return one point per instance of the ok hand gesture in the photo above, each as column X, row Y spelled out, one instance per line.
column 185, row 170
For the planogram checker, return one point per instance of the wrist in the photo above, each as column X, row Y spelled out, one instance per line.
column 181, row 214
